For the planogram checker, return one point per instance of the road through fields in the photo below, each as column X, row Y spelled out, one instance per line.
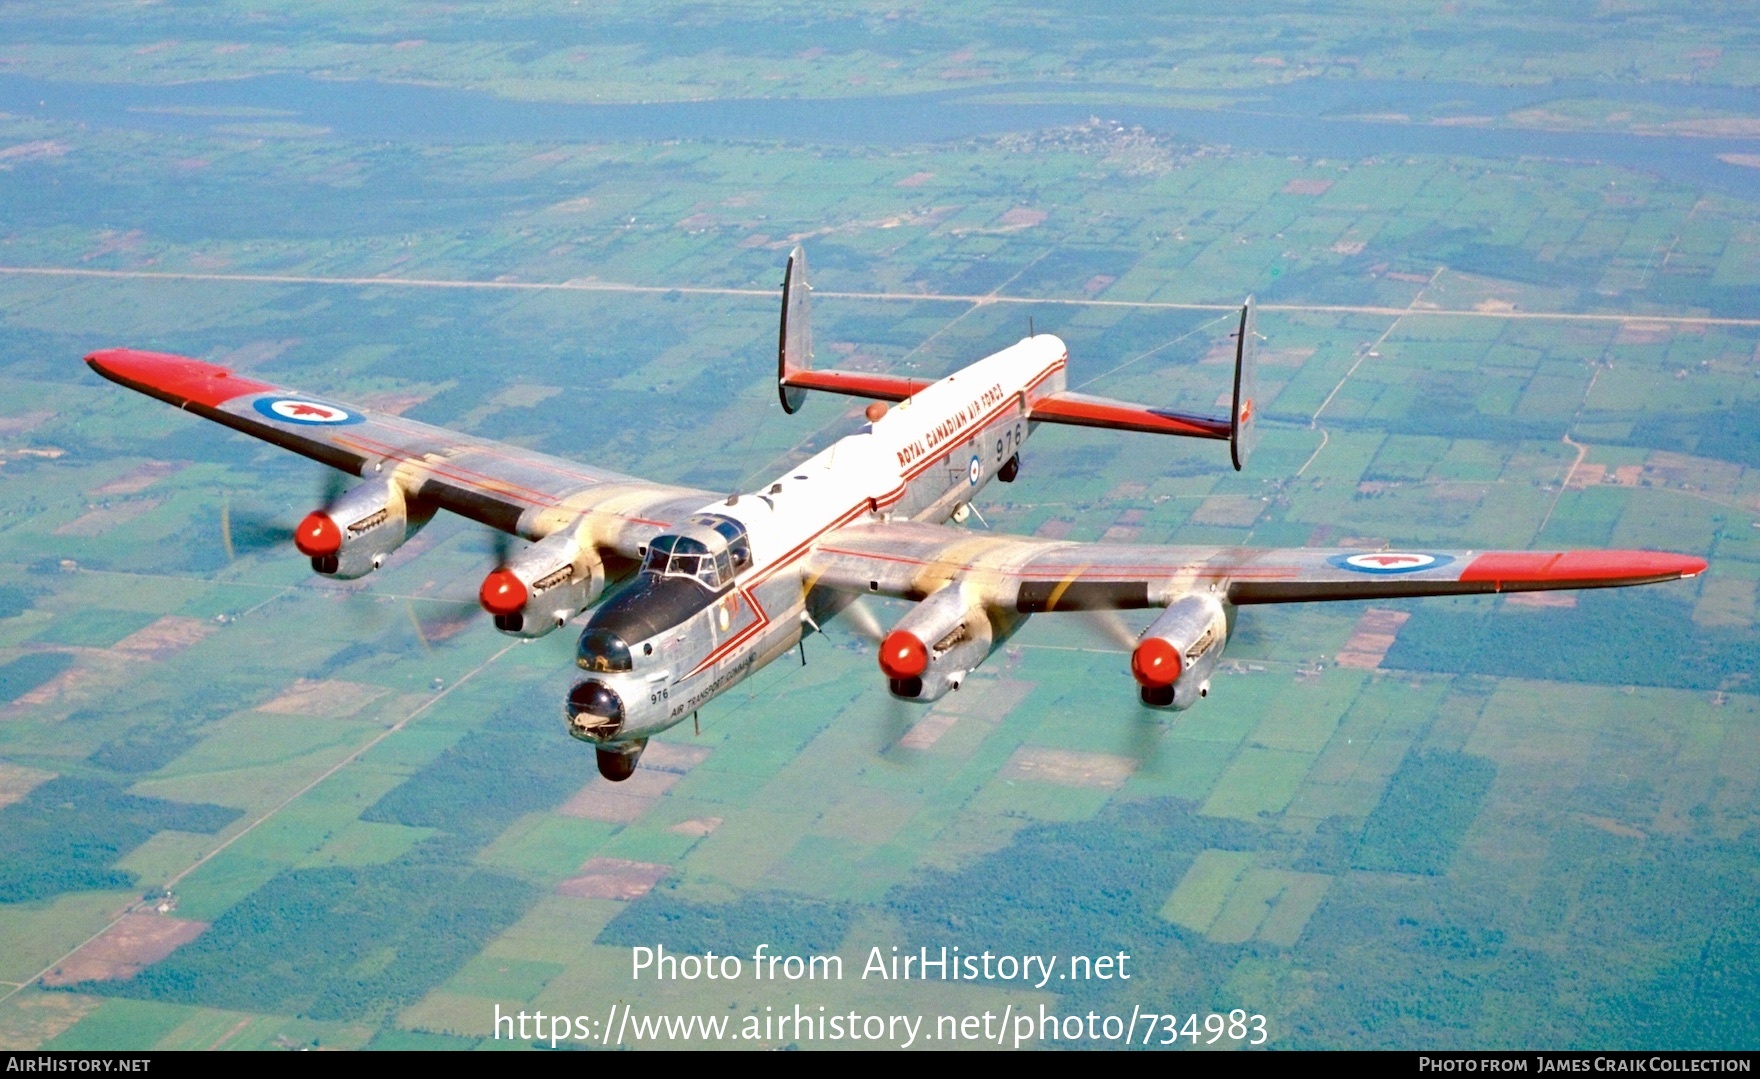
column 976, row 300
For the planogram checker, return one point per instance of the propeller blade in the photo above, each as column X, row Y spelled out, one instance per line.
column 244, row 532
column 1111, row 627
column 1146, row 730
column 415, row 623
column 437, row 620
column 332, row 487
column 896, row 722
column 858, row 619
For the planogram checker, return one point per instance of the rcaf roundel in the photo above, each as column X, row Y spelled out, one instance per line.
column 974, row 472
column 1389, row 561
column 301, row 410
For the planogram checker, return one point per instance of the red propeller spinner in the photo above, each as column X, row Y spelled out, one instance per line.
column 902, row 655
column 1156, row 664
column 317, row 536
column 503, row 592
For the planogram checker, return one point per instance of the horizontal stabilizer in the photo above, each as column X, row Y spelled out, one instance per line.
column 1085, row 410
column 854, row 383
column 1237, row 428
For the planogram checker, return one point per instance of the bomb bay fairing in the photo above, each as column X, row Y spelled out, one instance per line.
column 690, row 592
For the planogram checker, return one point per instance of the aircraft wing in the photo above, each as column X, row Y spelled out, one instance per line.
column 913, row 560
column 506, row 487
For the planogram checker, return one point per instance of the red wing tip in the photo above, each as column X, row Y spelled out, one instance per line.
column 1553, row 567
column 173, row 377
column 137, row 359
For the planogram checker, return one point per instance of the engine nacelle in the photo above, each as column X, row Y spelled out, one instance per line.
column 351, row 537
column 937, row 644
column 1173, row 661
column 544, row 585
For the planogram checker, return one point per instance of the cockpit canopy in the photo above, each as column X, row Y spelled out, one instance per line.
column 709, row 549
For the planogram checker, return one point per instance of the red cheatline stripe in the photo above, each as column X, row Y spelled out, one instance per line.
column 978, row 424
column 767, row 573
column 454, row 470
column 749, row 590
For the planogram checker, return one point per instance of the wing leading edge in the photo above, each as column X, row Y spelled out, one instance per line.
column 913, row 560
column 509, row 488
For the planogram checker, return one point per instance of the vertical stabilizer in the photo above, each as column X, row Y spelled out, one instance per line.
column 1243, row 432
column 794, row 353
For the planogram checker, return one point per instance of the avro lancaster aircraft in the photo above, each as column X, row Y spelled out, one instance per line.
column 691, row 591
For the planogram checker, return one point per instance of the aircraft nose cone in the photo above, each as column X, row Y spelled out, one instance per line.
column 594, row 710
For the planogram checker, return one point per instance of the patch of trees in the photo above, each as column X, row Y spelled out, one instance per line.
column 1706, row 1000
column 14, row 601
column 337, row 943
column 1731, row 434
column 67, row 835
column 1430, row 803
column 29, row 671
column 491, row 777
column 1612, row 637
column 1084, row 888
column 161, row 721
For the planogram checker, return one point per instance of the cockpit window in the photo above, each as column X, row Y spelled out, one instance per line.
column 681, row 556
column 739, row 547
column 602, row 651
column 712, row 562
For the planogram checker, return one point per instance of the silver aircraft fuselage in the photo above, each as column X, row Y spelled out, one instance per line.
column 672, row 638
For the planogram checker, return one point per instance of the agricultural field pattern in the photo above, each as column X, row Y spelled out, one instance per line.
column 1508, row 268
